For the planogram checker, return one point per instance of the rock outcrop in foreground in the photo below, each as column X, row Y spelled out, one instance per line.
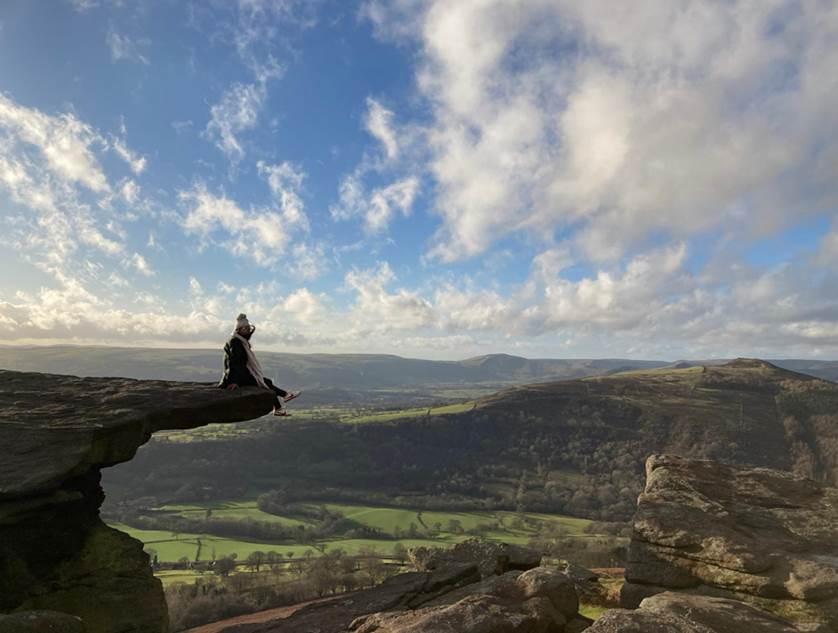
column 56, row 433
column 762, row 536
column 476, row 588
column 682, row 613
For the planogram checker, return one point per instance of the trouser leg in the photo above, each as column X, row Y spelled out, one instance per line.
column 281, row 393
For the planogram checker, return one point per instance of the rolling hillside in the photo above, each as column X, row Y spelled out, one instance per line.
column 574, row 447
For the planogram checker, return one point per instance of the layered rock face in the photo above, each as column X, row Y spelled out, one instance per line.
column 476, row 588
column 762, row 536
column 56, row 433
column 682, row 613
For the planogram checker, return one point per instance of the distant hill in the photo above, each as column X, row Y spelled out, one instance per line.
column 341, row 371
column 826, row 369
column 307, row 371
column 573, row 446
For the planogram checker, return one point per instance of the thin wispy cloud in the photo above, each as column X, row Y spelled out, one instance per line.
column 236, row 112
column 124, row 48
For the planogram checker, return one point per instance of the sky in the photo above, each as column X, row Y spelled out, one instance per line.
column 429, row 178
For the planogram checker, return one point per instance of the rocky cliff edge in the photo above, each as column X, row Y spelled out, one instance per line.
column 56, row 433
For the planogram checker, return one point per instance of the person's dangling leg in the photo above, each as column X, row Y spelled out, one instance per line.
column 280, row 394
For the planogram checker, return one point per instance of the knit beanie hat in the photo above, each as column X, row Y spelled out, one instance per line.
column 242, row 322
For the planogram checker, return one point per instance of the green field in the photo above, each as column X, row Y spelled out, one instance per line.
column 511, row 527
column 386, row 416
column 346, row 415
column 171, row 549
column 230, row 510
column 174, row 576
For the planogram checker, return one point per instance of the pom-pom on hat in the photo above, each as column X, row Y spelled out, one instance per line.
column 242, row 323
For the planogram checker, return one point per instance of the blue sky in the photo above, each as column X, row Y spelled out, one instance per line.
column 421, row 177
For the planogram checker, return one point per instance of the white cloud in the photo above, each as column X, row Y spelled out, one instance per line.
column 129, row 190
column 285, row 181
column 260, row 28
column 379, row 206
column 236, row 112
column 135, row 161
column 304, row 306
column 50, row 166
column 72, row 312
column 652, row 306
column 262, row 234
column 139, row 263
column 665, row 118
column 63, row 141
column 195, row 287
column 620, row 300
column 377, row 309
column 84, row 5
column 473, row 311
column 255, row 234
column 309, row 261
column 182, row 127
column 352, row 199
column 384, row 202
column 379, row 123
column 124, row 48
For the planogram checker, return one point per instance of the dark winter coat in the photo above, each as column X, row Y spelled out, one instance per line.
column 235, row 365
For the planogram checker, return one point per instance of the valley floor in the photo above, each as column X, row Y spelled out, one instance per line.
column 397, row 527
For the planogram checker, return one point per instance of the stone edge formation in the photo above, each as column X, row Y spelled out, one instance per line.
column 756, row 535
column 56, row 433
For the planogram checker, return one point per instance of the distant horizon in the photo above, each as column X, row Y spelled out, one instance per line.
column 209, row 348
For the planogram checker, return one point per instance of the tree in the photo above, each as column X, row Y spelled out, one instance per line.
column 400, row 553
column 256, row 560
column 224, row 566
column 273, row 558
column 372, row 570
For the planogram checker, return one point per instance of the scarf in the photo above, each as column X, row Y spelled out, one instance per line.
column 253, row 365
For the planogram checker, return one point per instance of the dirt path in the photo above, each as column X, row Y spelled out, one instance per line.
column 254, row 618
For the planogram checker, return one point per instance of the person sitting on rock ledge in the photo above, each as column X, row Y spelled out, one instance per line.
column 241, row 368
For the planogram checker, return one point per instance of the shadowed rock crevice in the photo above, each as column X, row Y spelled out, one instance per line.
column 56, row 433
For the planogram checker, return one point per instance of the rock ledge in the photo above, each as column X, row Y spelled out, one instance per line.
column 56, row 433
